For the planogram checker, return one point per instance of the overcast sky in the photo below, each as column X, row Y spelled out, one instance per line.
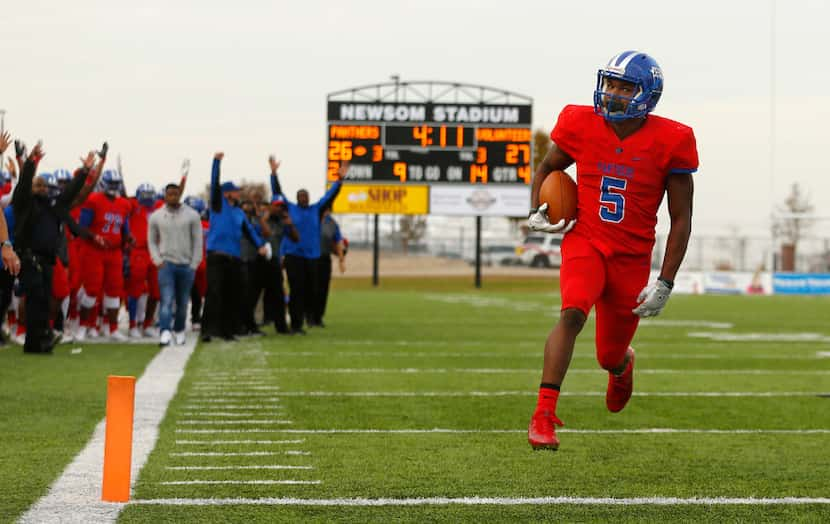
column 166, row 80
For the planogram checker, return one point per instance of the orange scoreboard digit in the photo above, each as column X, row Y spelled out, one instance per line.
column 430, row 143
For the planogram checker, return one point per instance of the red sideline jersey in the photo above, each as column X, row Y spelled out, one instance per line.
column 109, row 217
column 139, row 215
column 620, row 183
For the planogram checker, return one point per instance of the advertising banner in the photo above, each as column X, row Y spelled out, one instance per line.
column 480, row 200
column 392, row 199
column 801, row 283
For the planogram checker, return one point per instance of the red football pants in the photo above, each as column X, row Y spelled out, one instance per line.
column 143, row 275
column 611, row 283
column 60, row 281
column 103, row 270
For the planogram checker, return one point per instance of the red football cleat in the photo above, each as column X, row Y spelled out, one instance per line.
column 620, row 387
column 541, row 433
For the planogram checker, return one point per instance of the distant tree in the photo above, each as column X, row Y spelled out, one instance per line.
column 412, row 228
column 792, row 223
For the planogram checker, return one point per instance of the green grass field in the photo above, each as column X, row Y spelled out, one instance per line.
column 49, row 405
column 435, row 383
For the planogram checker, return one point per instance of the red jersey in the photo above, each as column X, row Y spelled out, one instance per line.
column 139, row 215
column 108, row 216
column 620, row 183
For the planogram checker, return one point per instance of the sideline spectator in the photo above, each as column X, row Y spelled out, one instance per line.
column 251, row 279
column 38, row 230
column 301, row 255
column 331, row 242
column 175, row 242
column 278, row 225
column 227, row 225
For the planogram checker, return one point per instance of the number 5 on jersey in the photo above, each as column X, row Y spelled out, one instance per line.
column 612, row 201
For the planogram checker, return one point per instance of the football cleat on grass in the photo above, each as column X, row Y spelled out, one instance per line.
column 541, row 433
column 135, row 332
column 621, row 386
column 117, row 336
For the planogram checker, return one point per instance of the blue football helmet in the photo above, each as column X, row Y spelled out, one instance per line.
column 62, row 177
column 52, row 184
column 196, row 203
column 637, row 68
column 146, row 194
column 111, row 182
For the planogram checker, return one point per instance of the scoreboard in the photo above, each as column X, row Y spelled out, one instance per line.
column 430, row 143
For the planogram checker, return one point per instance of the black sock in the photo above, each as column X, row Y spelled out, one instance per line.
column 548, row 385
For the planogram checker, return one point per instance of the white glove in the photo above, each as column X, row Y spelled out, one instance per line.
column 266, row 251
column 652, row 299
column 538, row 221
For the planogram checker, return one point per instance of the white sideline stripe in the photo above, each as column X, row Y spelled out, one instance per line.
column 823, row 354
column 571, row 371
column 659, row 431
column 240, row 454
column 216, row 468
column 490, row 501
column 527, row 393
column 223, row 442
column 76, row 495
column 229, row 422
column 242, row 482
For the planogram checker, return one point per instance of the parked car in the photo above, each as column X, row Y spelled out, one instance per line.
column 497, row 255
column 541, row 250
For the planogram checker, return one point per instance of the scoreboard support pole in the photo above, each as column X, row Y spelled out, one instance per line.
column 478, row 251
column 376, row 251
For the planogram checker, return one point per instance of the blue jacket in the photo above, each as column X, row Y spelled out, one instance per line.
column 227, row 223
column 306, row 220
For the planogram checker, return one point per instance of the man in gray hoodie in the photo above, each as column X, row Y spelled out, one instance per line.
column 174, row 237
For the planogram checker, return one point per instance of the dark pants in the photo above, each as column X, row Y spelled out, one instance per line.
column 6, row 289
column 224, row 295
column 273, row 304
column 36, row 284
column 302, row 281
column 246, row 322
column 323, row 284
column 195, row 305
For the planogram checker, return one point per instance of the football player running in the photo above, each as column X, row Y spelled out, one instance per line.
column 626, row 160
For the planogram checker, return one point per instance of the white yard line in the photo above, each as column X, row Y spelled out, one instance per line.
column 233, row 387
column 534, row 354
column 240, row 453
column 212, row 400
column 234, row 442
column 492, row 501
column 235, row 468
column 494, row 371
column 76, row 495
column 251, row 407
column 657, row 431
column 230, row 422
column 234, row 482
column 226, row 395
column 528, row 393
column 215, row 414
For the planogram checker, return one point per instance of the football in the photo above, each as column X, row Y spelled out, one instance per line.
column 558, row 191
